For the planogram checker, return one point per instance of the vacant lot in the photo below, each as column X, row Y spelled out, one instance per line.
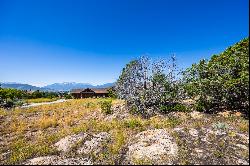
column 78, row 132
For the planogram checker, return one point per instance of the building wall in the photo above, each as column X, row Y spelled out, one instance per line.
column 87, row 95
column 76, row 95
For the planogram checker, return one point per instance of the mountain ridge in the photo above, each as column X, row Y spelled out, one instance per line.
column 64, row 86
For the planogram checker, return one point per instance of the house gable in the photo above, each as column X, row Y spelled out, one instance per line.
column 90, row 92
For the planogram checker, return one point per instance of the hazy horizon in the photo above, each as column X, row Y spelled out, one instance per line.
column 40, row 86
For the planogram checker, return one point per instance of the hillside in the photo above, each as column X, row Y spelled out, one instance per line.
column 78, row 132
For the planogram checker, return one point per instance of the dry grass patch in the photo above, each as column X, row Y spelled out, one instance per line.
column 159, row 122
column 40, row 100
column 22, row 150
column 2, row 112
column 244, row 126
column 35, row 130
column 46, row 122
column 17, row 125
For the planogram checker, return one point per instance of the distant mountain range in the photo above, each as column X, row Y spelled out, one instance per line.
column 66, row 86
column 21, row 86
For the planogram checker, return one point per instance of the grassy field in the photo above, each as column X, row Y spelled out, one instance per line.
column 40, row 100
column 31, row 132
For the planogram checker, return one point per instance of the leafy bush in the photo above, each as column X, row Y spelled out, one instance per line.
column 202, row 106
column 112, row 93
column 176, row 107
column 9, row 93
column 11, row 97
column 19, row 102
column 106, row 107
column 9, row 104
column 68, row 96
column 222, row 82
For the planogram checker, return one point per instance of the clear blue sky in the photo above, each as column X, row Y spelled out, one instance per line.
column 47, row 41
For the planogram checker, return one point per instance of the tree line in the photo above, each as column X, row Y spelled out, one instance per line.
column 10, row 97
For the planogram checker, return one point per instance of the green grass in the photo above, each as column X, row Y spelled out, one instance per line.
column 133, row 123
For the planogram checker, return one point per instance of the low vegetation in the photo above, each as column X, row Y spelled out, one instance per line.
column 106, row 107
column 32, row 132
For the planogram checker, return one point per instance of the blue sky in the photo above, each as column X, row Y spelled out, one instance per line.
column 47, row 41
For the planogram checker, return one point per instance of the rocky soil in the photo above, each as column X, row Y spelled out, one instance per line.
column 198, row 139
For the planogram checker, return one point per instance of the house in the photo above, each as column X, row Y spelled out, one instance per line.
column 89, row 92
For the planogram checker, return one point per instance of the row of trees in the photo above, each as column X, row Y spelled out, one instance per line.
column 215, row 84
column 10, row 97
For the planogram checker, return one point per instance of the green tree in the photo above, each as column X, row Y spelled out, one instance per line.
column 112, row 92
column 223, row 81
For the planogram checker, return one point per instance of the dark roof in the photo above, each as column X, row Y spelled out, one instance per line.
column 96, row 90
column 100, row 90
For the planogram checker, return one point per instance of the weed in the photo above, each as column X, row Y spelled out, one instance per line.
column 142, row 161
column 133, row 123
column 106, row 107
column 219, row 125
column 80, row 128
column 3, row 112
column 120, row 138
column 173, row 122
column 218, row 154
column 243, row 126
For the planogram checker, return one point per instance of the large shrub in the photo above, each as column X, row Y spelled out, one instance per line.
column 223, row 81
column 15, row 96
column 146, row 85
column 10, row 97
column 9, row 93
